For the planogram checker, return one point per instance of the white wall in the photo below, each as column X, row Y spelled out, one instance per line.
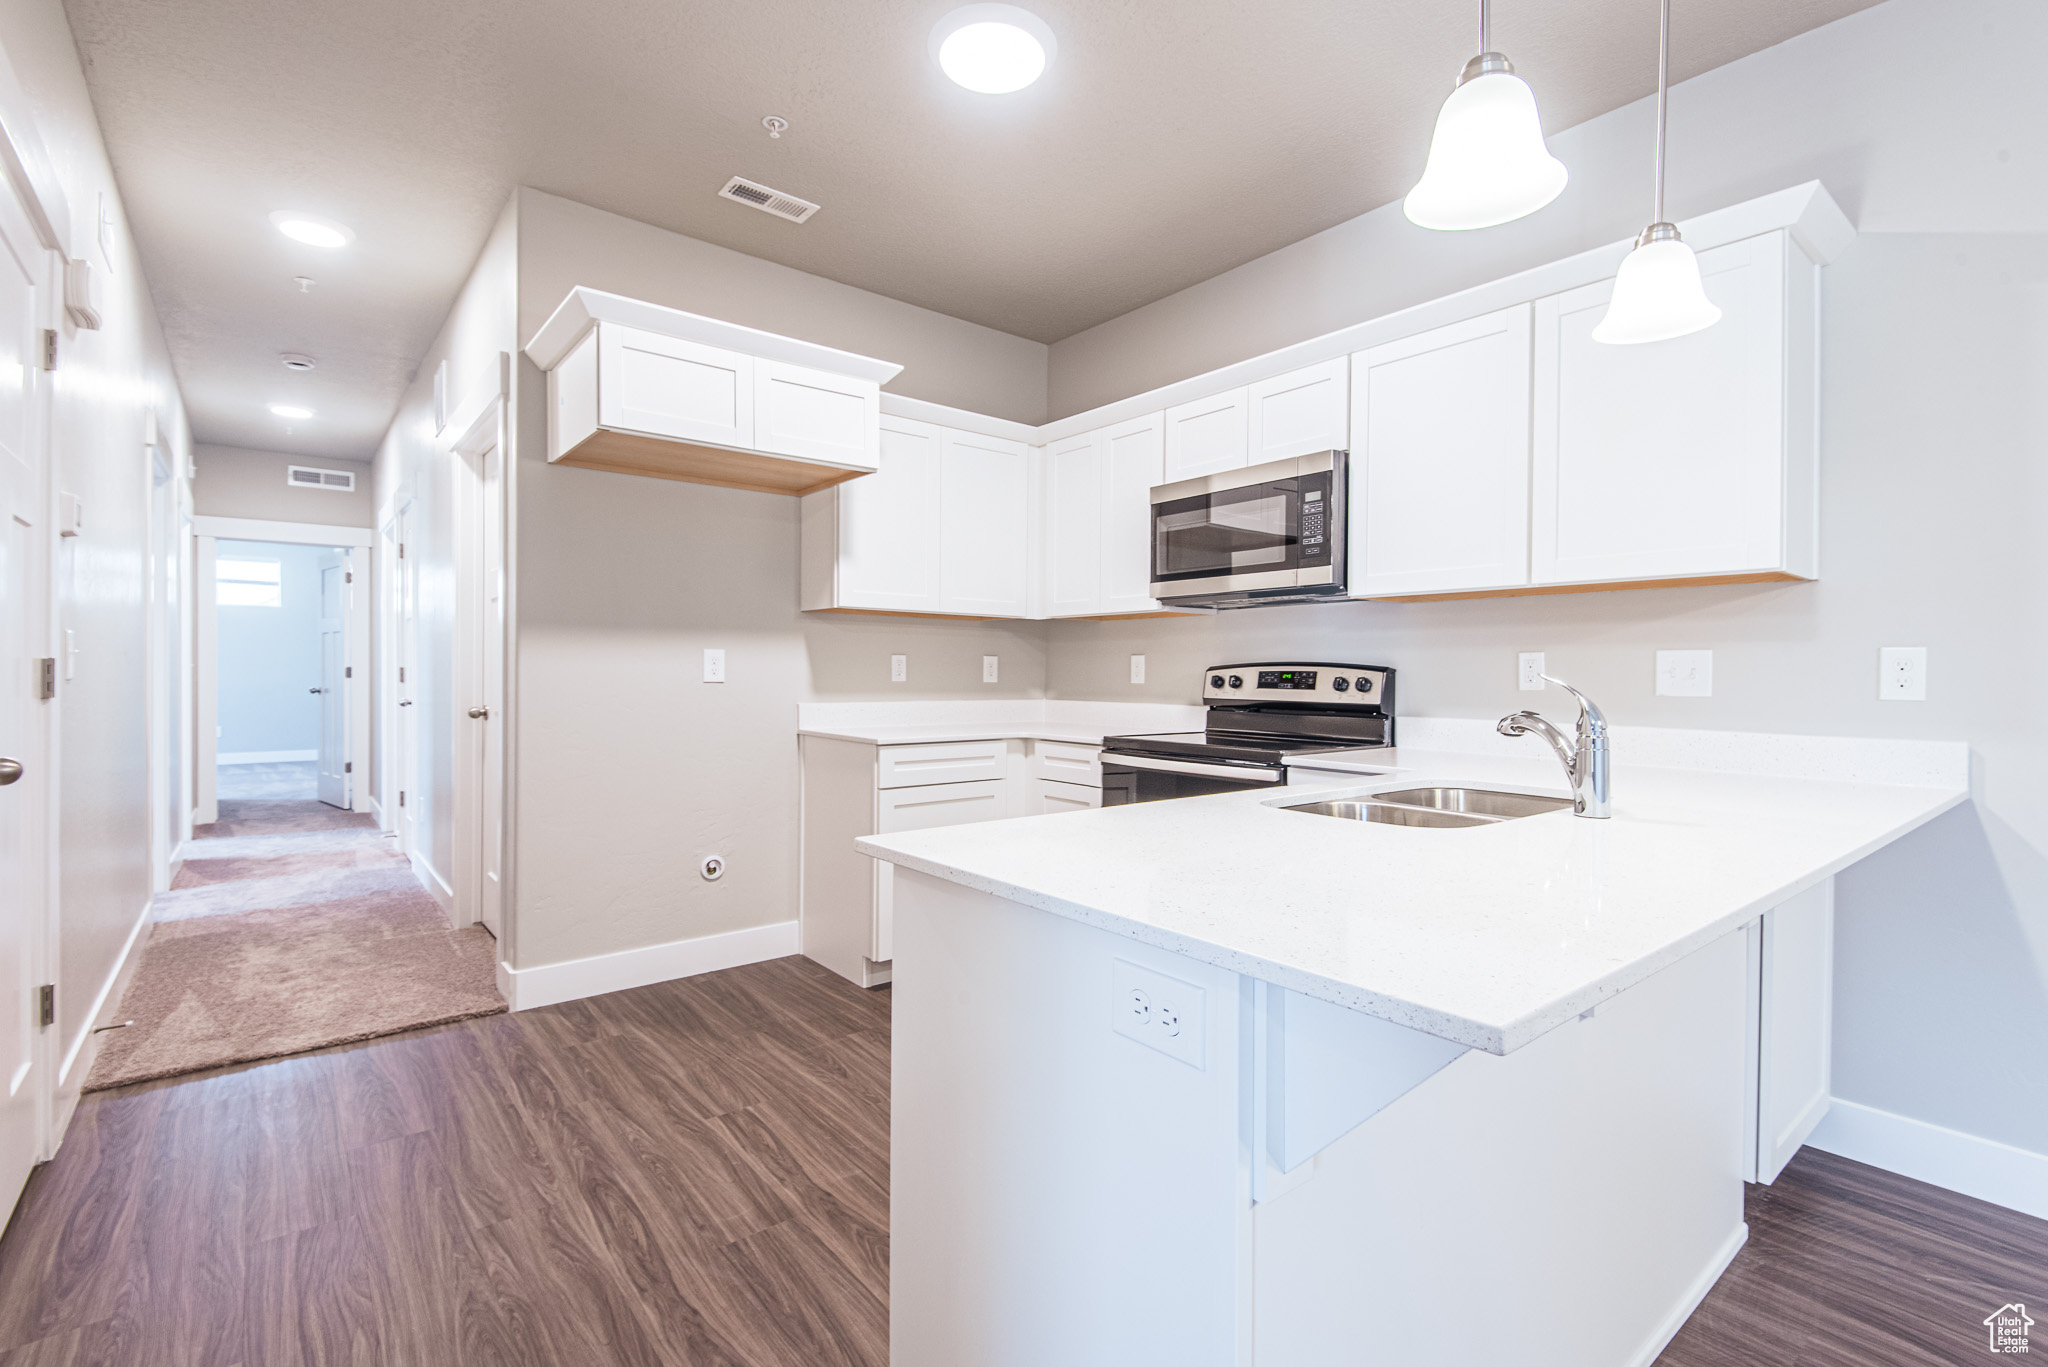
column 270, row 656
column 107, row 383
column 231, row 481
column 1935, row 493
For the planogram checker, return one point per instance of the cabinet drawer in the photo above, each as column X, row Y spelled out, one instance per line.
column 1048, row 796
column 911, row 766
column 943, row 804
column 1063, row 762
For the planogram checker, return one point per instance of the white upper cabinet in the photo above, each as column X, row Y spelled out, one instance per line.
column 1134, row 455
column 1300, row 413
column 1687, row 459
column 815, row 415
column 1075, row 479
column 1440, row 460
column 868, row 543
column 1208, row 436
column 984, row 526
column 672, row 387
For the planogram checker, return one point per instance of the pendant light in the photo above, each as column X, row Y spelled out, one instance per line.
column 1658, row 294
column 1487, row 162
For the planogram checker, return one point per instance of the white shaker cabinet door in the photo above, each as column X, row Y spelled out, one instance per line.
column 1301, row 412
column 1794, row 1024
column 1133, row 462
column 1208, row 436
column 1671, row 459
column 917, row 809
column 1074, row 484
column 888, row 555
column 668, row 387
column 1440, row 460
column 984, row 533
column 808, row 414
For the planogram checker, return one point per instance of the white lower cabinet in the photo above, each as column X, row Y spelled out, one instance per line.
column 1791, row 978
column 851, row 789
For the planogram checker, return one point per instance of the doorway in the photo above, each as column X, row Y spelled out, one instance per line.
column 282, row 672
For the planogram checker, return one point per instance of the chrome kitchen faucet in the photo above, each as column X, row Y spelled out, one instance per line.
column 1584, row 757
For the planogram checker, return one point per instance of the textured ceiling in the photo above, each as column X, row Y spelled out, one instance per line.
column 1171, row 140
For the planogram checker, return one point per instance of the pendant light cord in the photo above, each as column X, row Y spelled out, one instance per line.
column 1663, row 95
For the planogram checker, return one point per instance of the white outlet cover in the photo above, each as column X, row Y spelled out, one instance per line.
column 988, row 669
column 1530, row 670
column 899, row 668
column 714, row 666
column 1902, row 674
column 1137, row 669
column 1157, row 1011
column 1685, row 673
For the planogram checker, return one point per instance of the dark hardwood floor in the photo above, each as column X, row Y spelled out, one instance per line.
column 696, row 1173
column 689, row 1173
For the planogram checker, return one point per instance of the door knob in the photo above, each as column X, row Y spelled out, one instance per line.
column 10, row 770
column 479, row 713
column 405, row 702
column 316, row 690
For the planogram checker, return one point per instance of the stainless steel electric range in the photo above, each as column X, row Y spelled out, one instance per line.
column 1261, row 716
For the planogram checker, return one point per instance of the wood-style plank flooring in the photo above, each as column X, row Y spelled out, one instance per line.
column 696, row 1173
column 688, row 1173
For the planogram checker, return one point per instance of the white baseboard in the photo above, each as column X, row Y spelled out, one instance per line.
column 437, row 888
column 1660, row 1338
column 377, row 810
column 265, row 756
column 546, row 984
column 1984, row 1168
column 78, row 1059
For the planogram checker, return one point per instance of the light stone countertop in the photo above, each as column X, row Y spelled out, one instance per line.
column 958, row 731
column 1488, row 936
column 925, row 722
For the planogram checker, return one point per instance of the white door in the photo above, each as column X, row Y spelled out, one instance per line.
column 672, row 388
column 1301, row 413
column 23, row 780
column 1440, row 459
column 815, row 416
column 491, row 655
column 1665, row 460
column 334, row 689
column 984, row 535
column 1208, row 436
column 1795, row 1016
column 405, row 685
column 1134, row 455
column 888, row 556
column 1073, row 514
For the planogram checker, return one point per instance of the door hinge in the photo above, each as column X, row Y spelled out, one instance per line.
column 46, row 677
column 401, row 797
column 348, row 576
column 348, row 671
column 49, row 348
column 401, row 550
column 401, row 673
column 46, row 998
column 348, row 766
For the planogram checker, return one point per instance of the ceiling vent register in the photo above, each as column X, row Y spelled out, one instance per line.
column 306, row 477
column 744, row 191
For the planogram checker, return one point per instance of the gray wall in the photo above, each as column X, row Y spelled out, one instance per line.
column 270, row 657
column 1935, row 493
column 234, row 482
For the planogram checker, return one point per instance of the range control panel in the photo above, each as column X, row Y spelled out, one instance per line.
column 1323, row 684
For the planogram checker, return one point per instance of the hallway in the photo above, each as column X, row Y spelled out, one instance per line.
column 292, row 926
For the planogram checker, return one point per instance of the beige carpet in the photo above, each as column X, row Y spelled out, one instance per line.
column 292, row 926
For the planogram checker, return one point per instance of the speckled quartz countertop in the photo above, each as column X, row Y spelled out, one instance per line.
column 1488, row 936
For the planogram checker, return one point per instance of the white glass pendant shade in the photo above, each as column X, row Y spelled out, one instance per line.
column 1657, row 294
column 1487, row 162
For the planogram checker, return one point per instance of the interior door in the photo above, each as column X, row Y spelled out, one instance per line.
column 23, row 537
column 491, row 654
column 406, row 685
column 334, row 699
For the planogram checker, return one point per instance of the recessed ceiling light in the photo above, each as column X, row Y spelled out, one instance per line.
column 993, row 49
column 311, row 229
column 290, row 410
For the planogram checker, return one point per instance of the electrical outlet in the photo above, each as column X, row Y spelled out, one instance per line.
column 1685, row 673
column 1157, row 1011
column 714, row 666
column 1137, row 669
column 899, row 668
column 1902, row 674
column 1532, row 671
column 988, row 669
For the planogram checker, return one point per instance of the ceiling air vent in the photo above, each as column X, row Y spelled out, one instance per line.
column 768, row 201
column 306, row 477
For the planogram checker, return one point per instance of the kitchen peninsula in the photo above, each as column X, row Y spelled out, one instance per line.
column 1218, row 1082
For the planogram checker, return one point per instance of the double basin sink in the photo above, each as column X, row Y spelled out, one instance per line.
column 1442, row 808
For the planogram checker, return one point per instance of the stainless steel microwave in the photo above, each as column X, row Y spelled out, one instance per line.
column 1263, row 535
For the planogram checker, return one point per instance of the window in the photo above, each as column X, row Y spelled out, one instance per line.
column 248, row 584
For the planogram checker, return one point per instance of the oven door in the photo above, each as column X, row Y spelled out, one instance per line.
column 1270, row 528
column 1154, row 778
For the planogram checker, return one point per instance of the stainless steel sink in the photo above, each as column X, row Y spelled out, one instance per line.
column 1439, row 808
column 1474, row 801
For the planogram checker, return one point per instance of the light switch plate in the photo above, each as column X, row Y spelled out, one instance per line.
column 1157, row 1011
column 1902, row 674
column 988, row 669
column 899, row 668
column 714, row 666
column 1530, row 677
column 1137, row 669
column 1685, row 673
